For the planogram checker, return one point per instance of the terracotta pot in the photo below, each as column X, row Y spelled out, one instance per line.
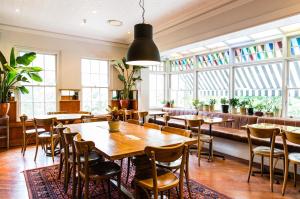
column 114, row 126
column 124, row 103
column 243, row 111
column 259, row 113
column 4, row 108
column 269, row 114
column 234, row 110
column 212, row 108
column 206, row 108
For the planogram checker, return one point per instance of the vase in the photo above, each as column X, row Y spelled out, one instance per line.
column 114, row 125
column 243, row 111
column 124, row 103
column 259, row 113
column 234, row 110
column 4, row 108
column 225, row 108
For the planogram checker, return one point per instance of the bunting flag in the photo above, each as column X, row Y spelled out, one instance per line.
column 295, row 46
column 213, row 59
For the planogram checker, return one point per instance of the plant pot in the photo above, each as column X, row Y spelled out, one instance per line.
column 212, row 108
column 250, row 111
column 200, row 108
column 206, row 108
column 114, row 126
column 259, row 113
column 124, row 103
column 269, row 114
column 225, row 108
column 277, row 113
column 243, row 111
column 234, row 110
column 4, row 108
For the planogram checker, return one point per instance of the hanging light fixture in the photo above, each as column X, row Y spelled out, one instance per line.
column 143, row 50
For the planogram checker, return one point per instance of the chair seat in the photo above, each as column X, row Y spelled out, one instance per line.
column 47, row 134
column 164, row 182
column 264, row 150
column 205, row 138
column 170, row 165
column 104, row 170
column 32, row 131
column 294, row 157
column 93, row 157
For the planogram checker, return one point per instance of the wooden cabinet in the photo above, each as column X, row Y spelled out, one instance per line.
column 133, row 99
column 69, row 100
column 4, row 132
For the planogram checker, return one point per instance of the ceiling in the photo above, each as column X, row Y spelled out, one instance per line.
column 66, row 16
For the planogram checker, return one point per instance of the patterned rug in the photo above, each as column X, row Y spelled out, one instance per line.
column 42, row 183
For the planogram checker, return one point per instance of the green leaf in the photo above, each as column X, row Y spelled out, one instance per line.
column 121, row 77
column 32, row 69
column 2, row 59
column 124, row 63
column 35, row 77
column 11, row 75
column 26, row 59
column 12, row 58
column 23, row 89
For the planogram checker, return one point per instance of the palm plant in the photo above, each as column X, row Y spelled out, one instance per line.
column 15, row 72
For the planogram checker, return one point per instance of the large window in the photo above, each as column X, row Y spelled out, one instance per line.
column 156, row 87
column 294, row 89
column 182, row 89
column 42, row 95
column 94, row 78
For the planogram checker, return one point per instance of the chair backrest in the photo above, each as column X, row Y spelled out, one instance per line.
column 57, row 112
column 86, row 118
column 166, row 118
column 23, row 119
column 68, row 140
column 291, row 137
column 46, row 123
column 152, row 125
column 84, row 112
column 194, row 123
column 262, row 132
column 177, row 131
column 132, row 121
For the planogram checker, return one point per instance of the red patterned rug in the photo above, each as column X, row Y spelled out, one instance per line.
column 42, row 183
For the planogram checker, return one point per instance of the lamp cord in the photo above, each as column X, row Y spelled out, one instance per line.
column 141, row 3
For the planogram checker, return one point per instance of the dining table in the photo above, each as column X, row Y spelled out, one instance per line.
column 64, row 118
column 129, row 141
column 210, row 121
column 155, row 113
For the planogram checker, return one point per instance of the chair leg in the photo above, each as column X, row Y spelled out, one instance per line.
column 262, row 166
column 86, row 188
column 60, row 167
column 79, row 191
column 271, row 173
column 52, row 149
column 250, row 166
column 200, row 145
column 66, row 177
column 286, row 173
column 295, row 174
column 119, row 184
column 22, row 149
column 108, row 189
column 36, row 148
column 188, row 182
column 128, row 170
column 73, row 180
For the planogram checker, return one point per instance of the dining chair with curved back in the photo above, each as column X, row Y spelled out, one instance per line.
column 166, row 119
column 86, row 118
column 152, row 126
column 48, row 136
column 162, row 182
column 142, row 116
column 97, row 171
column 202, row 138
column 293, row 157
column 265, row 151
column 27, row 133
column 132, row 121
column 127, row 114
column 174, row 166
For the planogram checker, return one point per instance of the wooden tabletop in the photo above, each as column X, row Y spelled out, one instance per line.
column 131, row 140
column 207, row 120
column 152, row 113
column 62, row 117
column 270, row 126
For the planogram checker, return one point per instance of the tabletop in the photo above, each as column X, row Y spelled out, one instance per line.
column 270, row 126
column 131, row 140
column 62, row 117
column 207, row 120
column 156, row 112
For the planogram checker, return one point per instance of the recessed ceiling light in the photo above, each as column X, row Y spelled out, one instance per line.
column 267, row 33
column 238, row 40
column 94, row 11
column 17, row 10
column 113, row 22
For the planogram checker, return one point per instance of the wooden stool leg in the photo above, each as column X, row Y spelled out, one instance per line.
column 295, row 174
column 250, row 166
column 108, row 188
column 271, row 174
column 36, row 148
column 79, row 191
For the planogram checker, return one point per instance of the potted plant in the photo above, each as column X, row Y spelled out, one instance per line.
column 206, row 107
column 201, row 105
column 277, row 111
column 212, row 103
column 269, row 108
column 172, row 102
column 224, row 105
column 259, row 108
column 250, row 108
column 13, row 73
column 234, row 102
column 243, row 109
column 113, row 119
column 128, row 75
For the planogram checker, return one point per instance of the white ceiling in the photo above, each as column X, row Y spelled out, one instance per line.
column 66, row 16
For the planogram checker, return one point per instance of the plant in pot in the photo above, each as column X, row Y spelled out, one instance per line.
column 277, row 111
column 225, row 105
column 269, row 108
column 212, row 103
column 250, row 109
column 201, row 105
column 113, row 119
column 243, row 104
column 206, row 107
column 14, row 72
column 128, row 75
column 234, row 102
column 172, row 102
column 259, row 108
column 196, row 103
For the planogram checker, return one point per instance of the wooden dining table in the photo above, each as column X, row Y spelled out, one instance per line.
column 129, row 141
column 64, row 118
column 207, row 120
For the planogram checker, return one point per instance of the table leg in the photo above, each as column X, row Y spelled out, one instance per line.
column 154, row 118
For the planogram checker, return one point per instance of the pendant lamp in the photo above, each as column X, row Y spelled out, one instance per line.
column 143, row 50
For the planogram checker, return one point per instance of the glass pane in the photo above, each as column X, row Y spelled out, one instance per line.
column 95, row 65
column 294, row 103
column 86, row 99
column 103, row 100
column 50, row 107
column 39, row 61
column 49, row 78
column 50, row 94
column 85, row 66
column 39, row 109
column 294, row 74
column 38, row 94
column 95, row 80
column 174, row 81
column 27, row 97
column 50, row 62
column 86, row 80
column 27, row 108
column 104, row 67
column 103, row 81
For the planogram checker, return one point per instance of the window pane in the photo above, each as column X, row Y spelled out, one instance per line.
column 156, row 90
column 182, row 94
column 39, row 108
column 49, row 78
column 50, row 62
column 27, row 108
column 294, row 74
column 38, row 94
column 50, row 94
column 294, row 103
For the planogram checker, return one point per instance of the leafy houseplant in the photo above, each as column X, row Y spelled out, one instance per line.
column 224, row 105
column 243, row 104
column 196, row 103
column 128, row 75
column 113, row 120
column 234, row 102
column 212, row 103
column 13, row 73
column 206, row 107
column 269, row 107
column 259, row 108
column 250, row 108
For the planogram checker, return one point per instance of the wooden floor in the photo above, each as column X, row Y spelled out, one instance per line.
column 226, row 176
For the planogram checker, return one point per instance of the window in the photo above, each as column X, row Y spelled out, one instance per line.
column 156, row 84
column 184, row 64
column 294, row 89
column 42, row 95
column 213, row 59
column 94, row 78
column 213, row 84
column 182, row 89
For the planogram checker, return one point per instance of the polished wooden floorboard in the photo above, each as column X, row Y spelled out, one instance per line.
column 226, row 176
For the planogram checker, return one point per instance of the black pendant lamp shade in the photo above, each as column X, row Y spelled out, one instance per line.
column 143, row 50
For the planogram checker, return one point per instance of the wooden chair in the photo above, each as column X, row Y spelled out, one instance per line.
column 152, row 126
column 27, row 133
column 264, row 151
column 84, row 112
column 99, row 171
column 142, row 115
column 174, row 166
column 168, row 180
column 86, row 118
column 132, row 121
column 166, row 119
column 201, row 137
column 293, row 158
column 47, row 136
column 127, row 114
column 57, row 112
